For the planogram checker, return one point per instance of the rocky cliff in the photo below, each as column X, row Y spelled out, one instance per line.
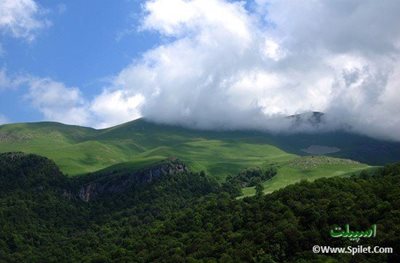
column 124, row 181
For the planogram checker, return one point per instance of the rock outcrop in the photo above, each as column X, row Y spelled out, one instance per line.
column 123, row 181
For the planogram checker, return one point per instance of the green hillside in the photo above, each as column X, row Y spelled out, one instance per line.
column 307, row 168
column 79, row 150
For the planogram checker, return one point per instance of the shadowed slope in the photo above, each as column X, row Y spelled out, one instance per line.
column 78, row 150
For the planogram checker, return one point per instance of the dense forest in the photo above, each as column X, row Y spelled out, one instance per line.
column 169, row 214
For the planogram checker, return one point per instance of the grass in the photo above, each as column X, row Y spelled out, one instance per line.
column 78, row 150
column 307, row 168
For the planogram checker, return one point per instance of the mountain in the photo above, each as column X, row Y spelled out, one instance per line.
column 313, row 118
column 166, row 213
column 78, row 150
column 140, row 143
column 119, row 181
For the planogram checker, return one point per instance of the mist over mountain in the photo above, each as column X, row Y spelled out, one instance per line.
column 221, row 64
column 230, row 66
column 310, row 122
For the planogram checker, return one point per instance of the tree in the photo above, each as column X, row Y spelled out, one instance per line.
column 259, row 189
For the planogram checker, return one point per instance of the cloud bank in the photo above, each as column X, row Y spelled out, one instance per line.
column 235, row 65
column 227, row 65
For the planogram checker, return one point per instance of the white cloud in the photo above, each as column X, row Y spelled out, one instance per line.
column 9, row 82
column 212, row 75
column 112, row 108
column 202, row 17
column 61, row 103
column 58, row 102
column 225, row 66
column 357, row 26
column 3, row 119
column 273, row 50
column 21, row 18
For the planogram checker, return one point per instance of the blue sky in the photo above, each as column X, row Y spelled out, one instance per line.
column 86, row 42
column 210, row 64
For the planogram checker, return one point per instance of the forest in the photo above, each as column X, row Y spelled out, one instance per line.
column 181, row 216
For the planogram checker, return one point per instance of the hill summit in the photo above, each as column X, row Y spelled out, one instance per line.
column 79, row 150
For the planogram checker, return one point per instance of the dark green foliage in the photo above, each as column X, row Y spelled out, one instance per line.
column 19, row 172
column 259, row 189
column 252, row 176
column 187, row 217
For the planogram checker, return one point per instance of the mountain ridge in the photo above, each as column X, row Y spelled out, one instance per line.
column 78, row 150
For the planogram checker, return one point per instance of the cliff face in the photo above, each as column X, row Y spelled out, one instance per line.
column 111, row 184
column 38, row 174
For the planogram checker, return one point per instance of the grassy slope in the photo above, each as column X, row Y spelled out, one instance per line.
column 216, row 153
column 70, row 147
column 79, row 150
column 308, row 168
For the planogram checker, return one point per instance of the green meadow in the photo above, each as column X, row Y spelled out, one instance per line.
column 307, row 168
column 79, row 150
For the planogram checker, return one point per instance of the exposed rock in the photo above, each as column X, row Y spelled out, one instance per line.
column 120, row 182
column 10, row 137
column 312, row 162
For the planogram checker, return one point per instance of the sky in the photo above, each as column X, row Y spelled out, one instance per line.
column 209, row 64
